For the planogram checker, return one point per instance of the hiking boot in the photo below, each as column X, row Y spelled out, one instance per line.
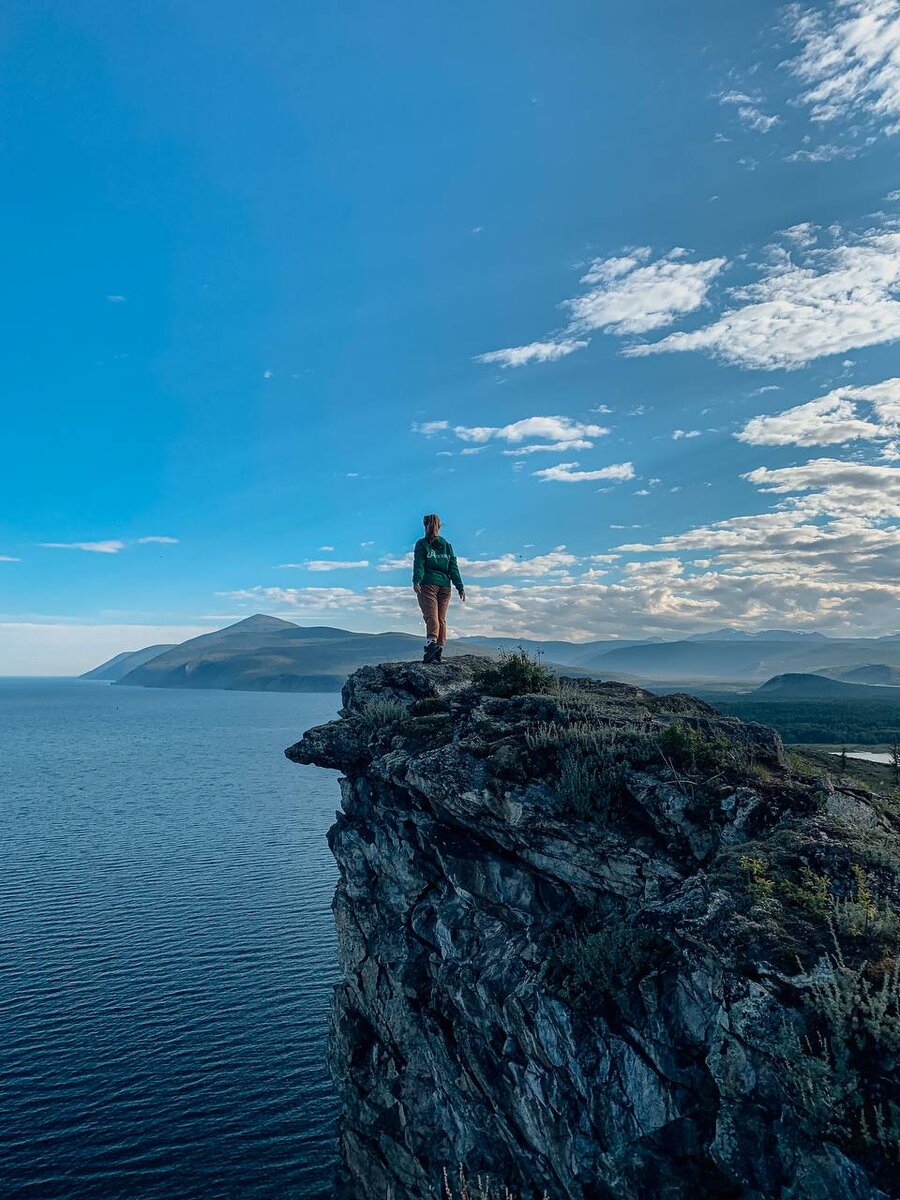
column 437, row 654
column 432, row 652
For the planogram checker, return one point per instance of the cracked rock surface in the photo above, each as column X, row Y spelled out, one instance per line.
column 584, row 937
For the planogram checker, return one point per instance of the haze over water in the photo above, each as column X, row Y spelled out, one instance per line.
column 166, row 945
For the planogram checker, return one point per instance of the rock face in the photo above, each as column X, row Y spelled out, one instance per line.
column 597, row 943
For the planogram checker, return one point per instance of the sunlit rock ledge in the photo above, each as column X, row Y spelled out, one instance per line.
column 598, row 943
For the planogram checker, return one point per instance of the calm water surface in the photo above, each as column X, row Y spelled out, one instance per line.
column 865, row 755
column 166, row 945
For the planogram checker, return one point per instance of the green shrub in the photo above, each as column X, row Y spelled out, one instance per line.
column 837, row 1073
column 761, row 885
column 687, row 750
column 594, row 761
column 610, row 959
column 587, row 787
column 381, row 713
column 515, row 673
column 867, row 915
column 811, row 893
column 625, row 743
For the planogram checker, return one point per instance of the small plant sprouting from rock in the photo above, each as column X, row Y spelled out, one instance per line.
column 761, row 885
column 593, row 762
column 381, row 713
column 687, row 750
column 846, row 912
column 587, row 787
column 838, row 1072
column 867, row 915
column 610, row 959
column 810, row 892
column 465, row 1188
column 515, row 673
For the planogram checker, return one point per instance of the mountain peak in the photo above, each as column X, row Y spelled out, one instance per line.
column 762, row 635
column 261, row 622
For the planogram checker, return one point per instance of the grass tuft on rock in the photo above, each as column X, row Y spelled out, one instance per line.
column 466, row 1187
column 515, row 673
column 839, row 1058
column 608, row 959
column 382, row 713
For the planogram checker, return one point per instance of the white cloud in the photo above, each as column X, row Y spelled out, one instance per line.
column 625, row 294
column 549, row 447
column 835, row 299
column 664, row 597
column 825, row 152
column 804, row 234
column 110, row 547
column 749, row 111
column 567, row 472
column 395, row 564
column 324, row 564
column 831, row 420
column 558, row 561
column 330, row 549
column 826, row 555
column 8, row 558
column 628, row 296
column 555, row 434
column 113, row 299
column 679, row 434
column 428, row 428
column 554, row 429
column 849, row 63
column 836, row 487
column 519, row 356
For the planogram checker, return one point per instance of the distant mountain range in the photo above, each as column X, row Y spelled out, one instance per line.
column 121, row 664
column 820, row 687
column 263, row 653
column 765, row 635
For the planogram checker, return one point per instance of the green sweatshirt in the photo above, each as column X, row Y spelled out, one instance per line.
column 435, row 562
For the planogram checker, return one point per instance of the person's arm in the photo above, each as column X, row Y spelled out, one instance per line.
column 418, row 565
column 455, row 576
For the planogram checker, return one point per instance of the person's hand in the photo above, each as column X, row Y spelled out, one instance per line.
column 417, row 587
column 462, row 594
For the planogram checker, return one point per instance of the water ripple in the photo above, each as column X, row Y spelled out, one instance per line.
column 166, row 946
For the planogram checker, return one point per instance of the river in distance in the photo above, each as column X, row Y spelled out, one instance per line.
column 167, row 951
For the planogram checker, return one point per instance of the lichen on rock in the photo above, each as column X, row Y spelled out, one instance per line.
column 598, row 943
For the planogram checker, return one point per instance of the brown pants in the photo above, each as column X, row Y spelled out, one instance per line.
column 434, row 601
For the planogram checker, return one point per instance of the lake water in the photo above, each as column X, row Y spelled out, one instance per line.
column 873, row 756
column 166, row 945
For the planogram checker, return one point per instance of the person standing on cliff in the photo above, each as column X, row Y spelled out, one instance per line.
column 435, row 571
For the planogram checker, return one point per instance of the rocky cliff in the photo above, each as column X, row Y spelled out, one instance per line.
column 597, row 943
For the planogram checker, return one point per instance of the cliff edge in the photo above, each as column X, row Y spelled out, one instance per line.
column 597, row 943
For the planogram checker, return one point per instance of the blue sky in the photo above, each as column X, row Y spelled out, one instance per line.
column 610, row 287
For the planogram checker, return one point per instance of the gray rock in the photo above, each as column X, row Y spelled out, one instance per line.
column 586, row 999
